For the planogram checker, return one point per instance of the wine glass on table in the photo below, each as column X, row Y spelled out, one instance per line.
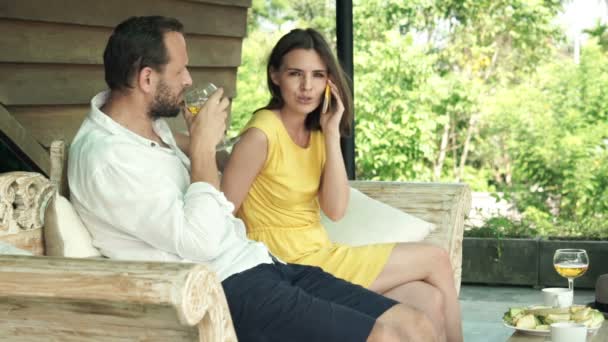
column 570, row 264
column 195, row 98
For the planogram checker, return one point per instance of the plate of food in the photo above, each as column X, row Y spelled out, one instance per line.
column 536, row 320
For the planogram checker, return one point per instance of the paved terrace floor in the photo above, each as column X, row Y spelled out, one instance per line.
column 483, row 307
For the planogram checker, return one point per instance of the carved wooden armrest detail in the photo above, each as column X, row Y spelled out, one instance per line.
column 100, row 299
column 207, row 295
column 23, row 199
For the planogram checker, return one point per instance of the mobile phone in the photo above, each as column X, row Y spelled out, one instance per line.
column 326, row 99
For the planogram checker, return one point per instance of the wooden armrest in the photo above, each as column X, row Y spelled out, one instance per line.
column 444, row 204
column 111, row 300
column 96, row 299
column 59, row 164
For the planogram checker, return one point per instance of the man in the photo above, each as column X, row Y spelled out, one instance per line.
column 146, row 194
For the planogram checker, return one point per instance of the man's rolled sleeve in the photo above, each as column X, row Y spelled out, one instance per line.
column 192, row 226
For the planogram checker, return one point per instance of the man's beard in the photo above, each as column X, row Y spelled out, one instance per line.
column 164, row 104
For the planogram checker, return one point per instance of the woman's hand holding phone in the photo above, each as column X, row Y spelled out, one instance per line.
column 331, row 114
column 326, row 99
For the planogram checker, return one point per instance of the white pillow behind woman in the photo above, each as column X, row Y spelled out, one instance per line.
column 368, row 221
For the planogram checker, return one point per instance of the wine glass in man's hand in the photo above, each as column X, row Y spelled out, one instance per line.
column 195, row 98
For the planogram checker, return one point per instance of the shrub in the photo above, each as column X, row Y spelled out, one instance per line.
column 536, row 223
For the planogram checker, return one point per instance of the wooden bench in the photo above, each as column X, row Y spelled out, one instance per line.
column 101, row 299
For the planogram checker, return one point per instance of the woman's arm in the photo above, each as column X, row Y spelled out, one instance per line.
column 245, row 163
column 334, row 190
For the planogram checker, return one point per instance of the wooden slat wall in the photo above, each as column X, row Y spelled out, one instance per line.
column 16, row 133
column 28, row 39
column 51, row 53
column 66, row 120
column 58, row 84
column 217, row 18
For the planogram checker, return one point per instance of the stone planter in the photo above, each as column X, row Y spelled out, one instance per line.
column 598, row 262
column 527, row 261
column 500, row 261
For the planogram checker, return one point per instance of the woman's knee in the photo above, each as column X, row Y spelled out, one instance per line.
column 383, row 332
column 419, row 328
column 438, row 253
column 409, row 323
column 440, row 257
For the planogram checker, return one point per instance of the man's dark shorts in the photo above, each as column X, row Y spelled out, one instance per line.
column 288, row 302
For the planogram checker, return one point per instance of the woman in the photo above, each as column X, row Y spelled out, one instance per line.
column 288, row 165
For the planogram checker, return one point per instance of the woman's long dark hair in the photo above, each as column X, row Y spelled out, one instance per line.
column 310, row 39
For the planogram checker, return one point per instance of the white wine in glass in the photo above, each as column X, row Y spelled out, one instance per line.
column 570, row 264
column 195, row 98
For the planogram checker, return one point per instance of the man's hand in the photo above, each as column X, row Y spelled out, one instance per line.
column 206, row 130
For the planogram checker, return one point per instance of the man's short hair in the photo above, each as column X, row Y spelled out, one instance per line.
column 136, row 43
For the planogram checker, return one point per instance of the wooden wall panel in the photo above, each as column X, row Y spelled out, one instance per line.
column 22, row 138
column 37, row 84
column 38, row 42
column 48, row 123
column 239, row 3
column 197, row 16
column 51, row 43
column 213, row 51
column 51, row 57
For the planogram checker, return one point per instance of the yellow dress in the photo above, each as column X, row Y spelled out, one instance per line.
column 282, row 208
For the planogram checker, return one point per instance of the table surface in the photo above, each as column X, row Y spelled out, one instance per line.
column 600, row 336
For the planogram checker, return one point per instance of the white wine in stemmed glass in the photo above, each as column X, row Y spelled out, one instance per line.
column 570, row 264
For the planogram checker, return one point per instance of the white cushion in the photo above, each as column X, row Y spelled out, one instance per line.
column 368, row 221
column 64, row 233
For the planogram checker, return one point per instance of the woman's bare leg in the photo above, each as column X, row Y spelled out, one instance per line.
column 403, row 323
column 426, row 298
column 422, row 262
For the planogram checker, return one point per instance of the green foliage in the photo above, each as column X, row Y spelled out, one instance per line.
column 394, row 118
column 600, row 32
column 551, row 132
column 269, row 12
column 589, row 228
column 252, row 92
column 433, row 79
column 501, row 39
column 320, row 15
column 539, row 224
column 503, row 227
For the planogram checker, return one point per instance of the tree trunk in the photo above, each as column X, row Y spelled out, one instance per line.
column 465, row 148
column 442, row 151
column 454, row 148
column 508, row 171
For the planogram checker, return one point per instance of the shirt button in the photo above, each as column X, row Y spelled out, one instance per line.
column 153, row 144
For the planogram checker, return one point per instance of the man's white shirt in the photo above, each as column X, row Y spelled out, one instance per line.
column 136, row 199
